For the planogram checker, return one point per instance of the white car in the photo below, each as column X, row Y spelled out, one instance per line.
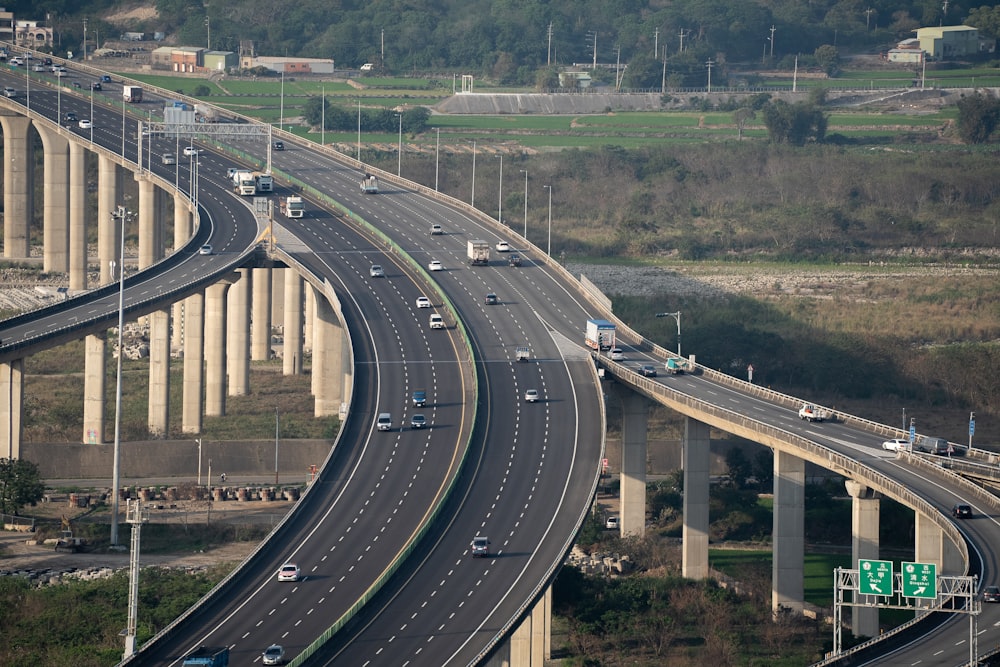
column 611, row 523
column 376, row 271
column 616, row 354
column 423, row 302
column 205, row 250
column 273, row 655
column 190, row 151
column 503, row 246
column 436, row 230
column 168, row 158
column 531, row 396
column 85, row 124
column 288, row 572
column 896, row 445
column 435, row 266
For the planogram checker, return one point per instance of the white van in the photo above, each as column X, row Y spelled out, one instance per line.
column 384, row 422
column 436, row 321
column 367, row 67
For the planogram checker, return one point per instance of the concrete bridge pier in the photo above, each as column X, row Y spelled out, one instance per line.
column 238, row 349
column 865, row 512
column 12, row 393
column 150, row 223
column 787, row 583
column 77, row 217
column 194, row 363
column 694, row 543
column 159, row 373
column 260, row 336
column 292, row 324
column 182, row 232
column 635, row 424
column 931, row 546
column 328, row 365
column 18, row 184
column 215, row 349
column 108, row 228
column 95, row 381
column 55, row 198
column 530, row 645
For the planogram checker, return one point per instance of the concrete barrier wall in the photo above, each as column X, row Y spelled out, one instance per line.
column 178, row 458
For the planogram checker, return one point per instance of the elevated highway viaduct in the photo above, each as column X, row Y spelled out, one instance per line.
column 524, row 474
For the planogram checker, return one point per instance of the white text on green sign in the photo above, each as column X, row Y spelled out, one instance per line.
column 920, row 580
column 874, row 577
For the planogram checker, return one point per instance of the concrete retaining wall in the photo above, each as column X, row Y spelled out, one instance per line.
column 176, row 458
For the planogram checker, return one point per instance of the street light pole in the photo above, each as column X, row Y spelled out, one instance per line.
column 500, row 206
column 119, row 214
column 199, row 461
column 399, row 148
column 472, row 203
column 676, row 316
column 525, row 203
column 276, row 446
column 437, row 158
column 548, row 250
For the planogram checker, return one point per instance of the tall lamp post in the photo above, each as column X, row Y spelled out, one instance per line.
column 437, row 158
column 500, row 198
column 525, row 203
column 399, row 147
column 472, row 202
column 548, row 250
column 120, row 214
column 676, row 316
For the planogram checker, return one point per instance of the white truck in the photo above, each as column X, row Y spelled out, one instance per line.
column 369, row 184
column 291, row 206
column 244, row 182
column 478, row 253
column 132, row 94
column 264, row 181
column 676, row 366
column 600, row 334
column 813, row 413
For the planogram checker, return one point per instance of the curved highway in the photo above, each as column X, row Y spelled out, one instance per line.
column 530, row 474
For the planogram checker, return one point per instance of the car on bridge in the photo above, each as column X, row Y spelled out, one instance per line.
column 85, row 124
column 419, row 398
column 273, row 655
column 418, row 421
column 190, row 151
column 9, row 92
column 962, row 511
column 503, row 246
column 648, row 371
column 896, row 445
column 278, row 145
column 376, row 271
column 435, row 265
column 205, row 250
column 991, row 594
column 71, row 117
column 423, row 302
column 491, row 299
column 531, row 396
column 384, row 422
column 289, row 572
column 480, row 546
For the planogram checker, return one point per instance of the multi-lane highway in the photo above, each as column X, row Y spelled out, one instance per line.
column 530, row 468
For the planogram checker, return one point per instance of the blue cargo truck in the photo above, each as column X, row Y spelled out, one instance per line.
column 208, row 657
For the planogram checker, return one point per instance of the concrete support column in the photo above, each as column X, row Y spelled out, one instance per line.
column 931, row 546
column 108, row 229
column 309, row 318
column 194, row 362
column 327, row 368
column 150, row 228
column 635, row 422
column 215, row 350
column 238, row 349
column 260, row 338
column 159, row 373
column 18, row 185
column 694, row 545
column 292, row 360
column 182, row 232
column 55, row 198
column 865, row 512
column 11, row 405
column 77, row 217
column 94, row 387
column 787, row 585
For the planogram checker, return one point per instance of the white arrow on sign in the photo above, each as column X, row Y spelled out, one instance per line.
column 875, row 588
column 918, row 591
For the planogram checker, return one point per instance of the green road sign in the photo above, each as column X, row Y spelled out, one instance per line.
column 874, row 577
column 919, row 580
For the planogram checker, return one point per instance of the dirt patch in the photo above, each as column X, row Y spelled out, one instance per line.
column 133, row 14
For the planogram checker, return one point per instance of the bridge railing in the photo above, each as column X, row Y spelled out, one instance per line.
column 780, row 439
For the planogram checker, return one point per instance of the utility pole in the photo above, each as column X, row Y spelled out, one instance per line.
column 682, row 33
column 656, row 42
column 85, row 41
column 772, row 41
column 709, row 65
column 868, row 18
column 618, row 68
column 595, row 49
column 548, row 56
